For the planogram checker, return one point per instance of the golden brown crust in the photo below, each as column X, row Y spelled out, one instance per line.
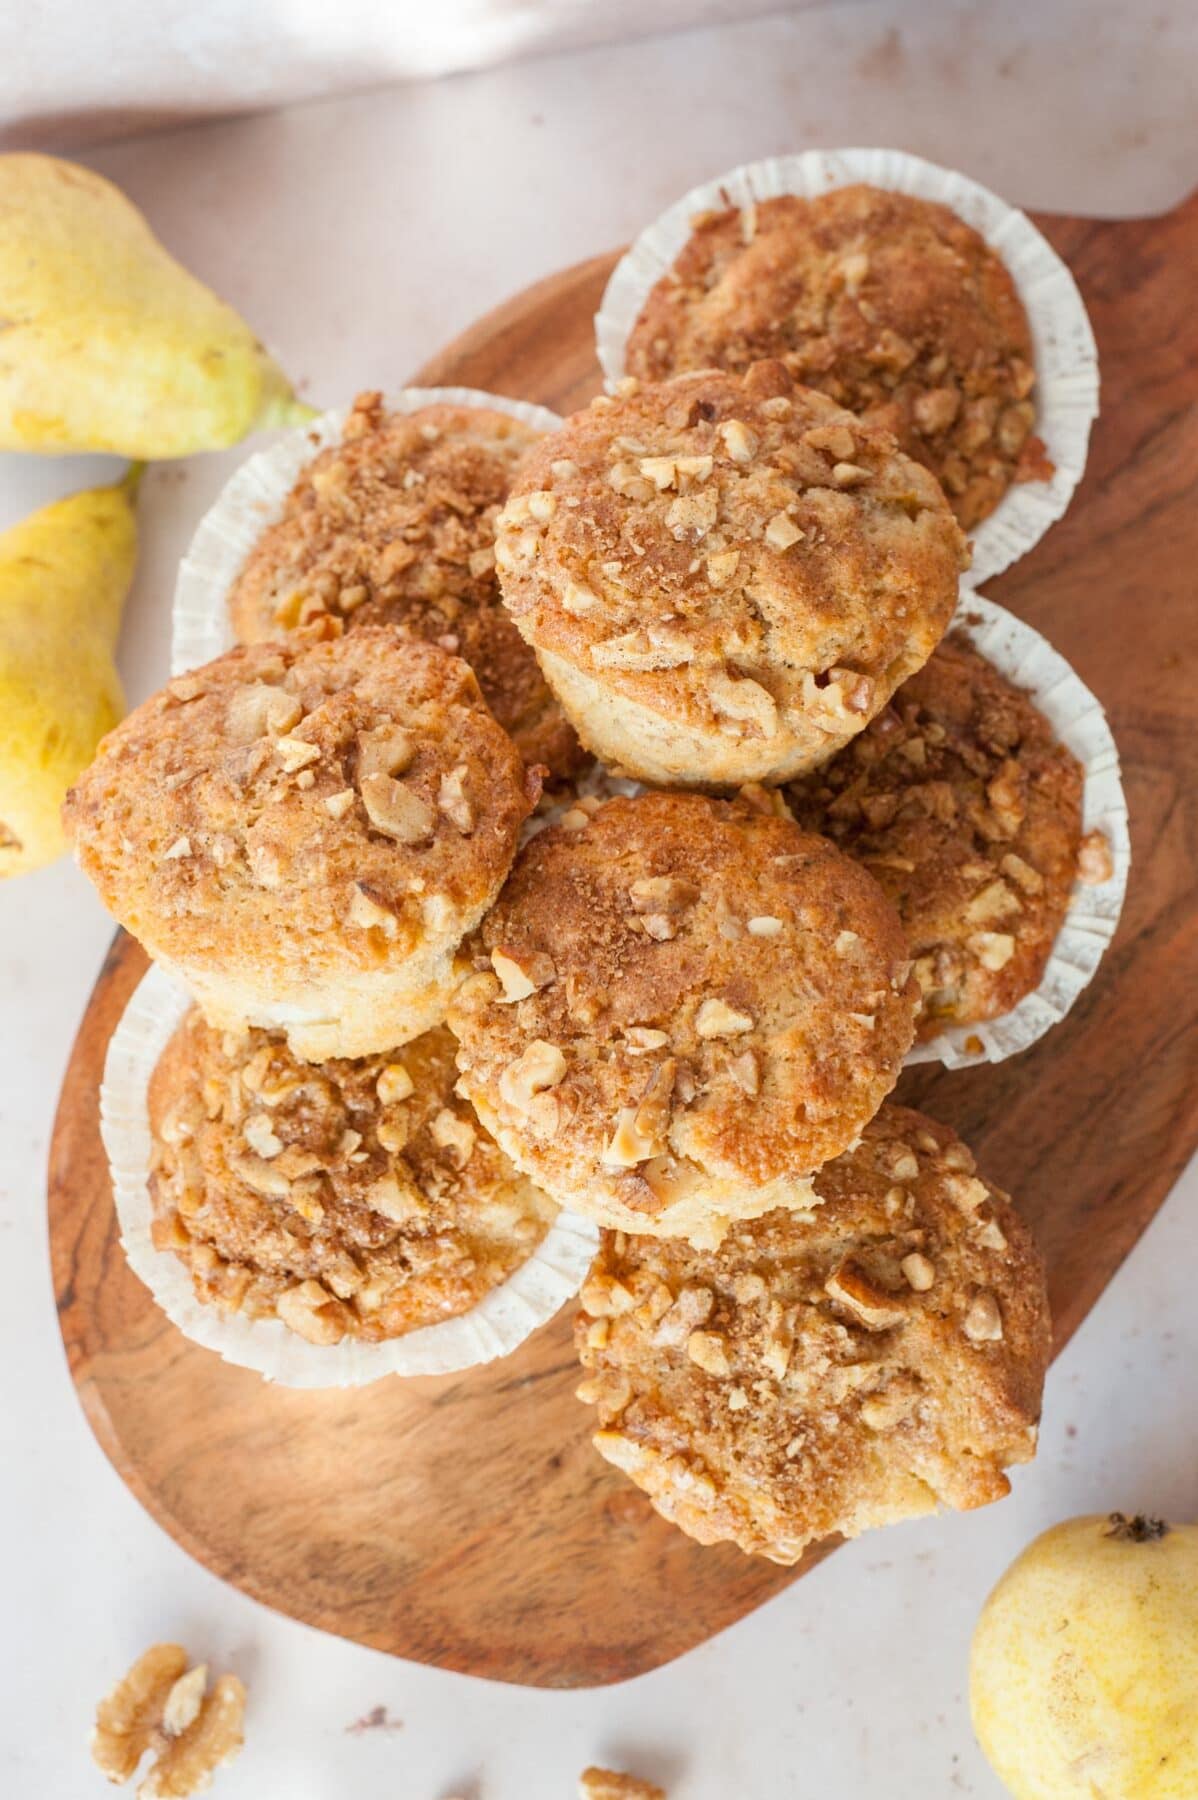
column 395, row 525
column 867, row 1362
column 713, row 1004
column 962, row 804
column 725, row 578
column 294, row 816
column 349, row 1199
column 890, row 304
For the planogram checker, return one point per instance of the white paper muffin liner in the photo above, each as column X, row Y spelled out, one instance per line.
column 1066, row 391
column 253, row 498
column 493, row 1328
column 1030, row 662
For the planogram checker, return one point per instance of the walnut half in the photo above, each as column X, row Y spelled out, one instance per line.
column 162, row 1706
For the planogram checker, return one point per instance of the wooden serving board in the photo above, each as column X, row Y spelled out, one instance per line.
column 467, row 1521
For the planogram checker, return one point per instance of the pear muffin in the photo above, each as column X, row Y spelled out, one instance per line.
column 890, row 304
column 395, row 525
column 304, row 833
column 683, row 1006
column 353, row 1199
column 968, row 812
column 869, row 1361
column 725, row 577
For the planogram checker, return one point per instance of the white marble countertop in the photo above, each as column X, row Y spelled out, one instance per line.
column 357, row 235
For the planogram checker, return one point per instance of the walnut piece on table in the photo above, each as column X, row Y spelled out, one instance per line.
column 161, row 1705
column 611, row 1784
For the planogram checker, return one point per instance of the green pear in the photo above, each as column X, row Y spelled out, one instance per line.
column 64, row 575
column 106, row 342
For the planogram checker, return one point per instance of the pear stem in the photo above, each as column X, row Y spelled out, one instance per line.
column 1138, row 1530
column 130, row 481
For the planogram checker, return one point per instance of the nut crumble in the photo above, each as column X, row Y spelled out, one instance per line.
column 890, row 304
column 967, row 811
column 355, row 1199
column 825, row 1372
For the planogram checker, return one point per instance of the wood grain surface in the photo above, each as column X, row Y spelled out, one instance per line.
column 466, row 1521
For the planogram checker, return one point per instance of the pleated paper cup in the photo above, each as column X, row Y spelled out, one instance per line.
column 253, row 499
column 1066, row 391
column 494, row 1327
column 1030, row 662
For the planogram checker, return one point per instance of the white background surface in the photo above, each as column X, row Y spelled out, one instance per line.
column 357, row 235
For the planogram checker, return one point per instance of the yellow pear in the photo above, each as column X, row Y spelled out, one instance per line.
column 64, row 575
column 1084, row 1671
column 107, row 343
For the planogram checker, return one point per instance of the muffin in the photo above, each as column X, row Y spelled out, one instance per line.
column 352, row 1199
column 964, row 807
column 890, row 304
column 684, row 1007
column 725, row 577
column 395, row 525
column 304, row 834
column 870, row 1362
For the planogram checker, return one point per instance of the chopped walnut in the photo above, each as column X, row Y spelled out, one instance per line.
column 259, row 709
column 312, row 1313
column 629, row 1143
column 662, row 894
column 689, row 1311
column 919, row 1272
column 1095, row 864
column 983, row 1321
column 455, row 1135
column 522, row 973
column 611, row 1784
column 368, row 914
column 782, row 532
column 739, row 441
column 875, row 1308
column 393, row 1085
column 296, row 753
column 993, row 949
column 709, row 1351
column 161, row 1706
column 454, row 801
column 396, row 810
column 716, row 1019
column 540, row 1065
column 387, row 750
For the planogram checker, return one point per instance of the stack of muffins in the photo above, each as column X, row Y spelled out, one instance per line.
column 447, row 979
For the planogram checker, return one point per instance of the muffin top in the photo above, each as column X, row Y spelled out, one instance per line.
column 395, row 525
column 966, row 809
column 348, row 1199
column 890, row 304
column 685, row 1005
column 308, row 807
column 736, row 554
column 861, row 1364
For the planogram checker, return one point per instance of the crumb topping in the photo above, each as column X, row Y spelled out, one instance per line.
column 309, row 807
column 395, row 525
column 967, row 811
column 679, row 998
column 738, row 555
column 891, row 305
column 354, row 1199
column 829, row 1371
